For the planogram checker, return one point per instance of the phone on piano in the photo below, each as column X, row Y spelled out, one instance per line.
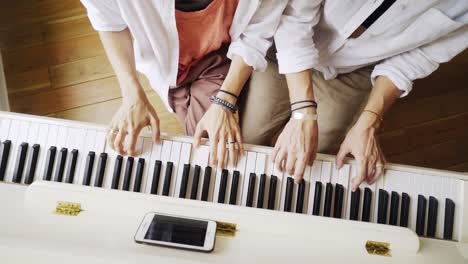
column 177, row 232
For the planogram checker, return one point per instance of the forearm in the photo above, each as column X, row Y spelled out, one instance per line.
column 382, row 96
column 300, row 89
column 119, row 50
column 238, row 74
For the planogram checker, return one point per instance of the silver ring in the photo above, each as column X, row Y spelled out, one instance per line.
column 232, row 142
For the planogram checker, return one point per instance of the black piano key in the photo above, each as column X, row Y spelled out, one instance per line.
column 234, row 187
column 128, row 174
column 72, row 166
column 394, row 203
column 366, row 205
column 206, row 184
column 272, row 192
column 117, row 172
column 49, row 164
column 404, row 210
column 61, row 161
column 261, row 191
column 354, row 206
column 184, row 181
column 432, row 217
column 328, row 200
column 300, row 197
column 101, row 167
column 20, row 160
column 4, row 154
column 167, row 179
column 251, row 190
column 156, row 176
column 139, row 175
column 88, row 168
column 317, row 198
column 421, row 215
column 195, row 182
column 289, row 194
column 338, row 207
column 222, row 186
column 449, row 219
column 383, row 206
column 32, row 164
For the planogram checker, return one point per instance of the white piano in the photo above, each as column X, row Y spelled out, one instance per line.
column 420, row 215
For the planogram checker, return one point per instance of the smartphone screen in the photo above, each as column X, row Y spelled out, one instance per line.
column 177, row 230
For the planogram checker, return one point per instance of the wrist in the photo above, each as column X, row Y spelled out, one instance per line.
column 368, row 120
column 227, row 97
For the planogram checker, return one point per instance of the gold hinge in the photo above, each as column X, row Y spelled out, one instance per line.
column 378, row 248
column 68, row 208
column 225, row 229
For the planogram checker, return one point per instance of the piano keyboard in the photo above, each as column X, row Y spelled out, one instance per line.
column 35, row 148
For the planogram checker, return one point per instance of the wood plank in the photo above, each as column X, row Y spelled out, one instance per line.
column 55, row 53
column 27, row 82
column 438, row 156
column 68, row 28
column 20, row 37
column 106, row 110
column 66, row 98
column 425, row 134
column 80, row 71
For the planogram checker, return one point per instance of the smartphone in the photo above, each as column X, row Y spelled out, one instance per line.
column 177, row 232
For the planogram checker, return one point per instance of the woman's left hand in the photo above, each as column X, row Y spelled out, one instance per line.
column 361, row 141
column 224, row 132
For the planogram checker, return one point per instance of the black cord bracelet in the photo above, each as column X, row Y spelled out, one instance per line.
column 305, row 101
column 303, row 107
column 231, row 94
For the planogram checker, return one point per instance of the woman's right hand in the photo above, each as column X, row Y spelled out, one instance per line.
column 134, row 114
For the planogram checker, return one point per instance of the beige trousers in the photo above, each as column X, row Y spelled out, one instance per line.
column 265, row 105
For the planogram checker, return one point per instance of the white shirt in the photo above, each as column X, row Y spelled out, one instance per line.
column 407, row 42
column 156, row 43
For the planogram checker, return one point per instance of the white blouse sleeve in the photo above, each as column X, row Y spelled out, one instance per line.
column 104, row 15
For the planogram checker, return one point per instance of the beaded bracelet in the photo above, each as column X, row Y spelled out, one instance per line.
column 223, row 103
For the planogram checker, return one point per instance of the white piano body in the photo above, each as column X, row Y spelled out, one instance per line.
column 30, row 231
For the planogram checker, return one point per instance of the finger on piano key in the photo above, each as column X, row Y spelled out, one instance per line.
column 432, row 217
column 207, row 182
column 88, row 169
column 195, row 182
column 165, row 158
column 13, row 137
column 343, row 180
column 49, row 163
column 338, row 203
column 449, row 219
column 61, row 162
column 313, row 179
column 354, row 204
column 184, row 181
column 249, row 182
column 32, row 164
column 71, row 168
column 139, row 175
column 20, row 162
column 117, row 172
column 101, row 166
column 183, row 172
column 154, row 172
column 394, row 206
column 367, row 205
column 327, row 210
column 261, row 191
column 421, row 215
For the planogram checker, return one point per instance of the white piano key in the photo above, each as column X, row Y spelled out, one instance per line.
column 187, row 158
column 155, row 155
column 13, row 136
column 23, row 132
column 62, row 137
column 101, row 142
column 343, row 179
column 249, row 168
column 165, row 157
column 4, row 129
column 315, row 173
column 145, row 154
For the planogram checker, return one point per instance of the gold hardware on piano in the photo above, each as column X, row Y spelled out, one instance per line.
column 225, row 229
column 378, row 248
column 68, row 208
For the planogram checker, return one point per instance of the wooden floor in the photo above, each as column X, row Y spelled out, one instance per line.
column 55, row 65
